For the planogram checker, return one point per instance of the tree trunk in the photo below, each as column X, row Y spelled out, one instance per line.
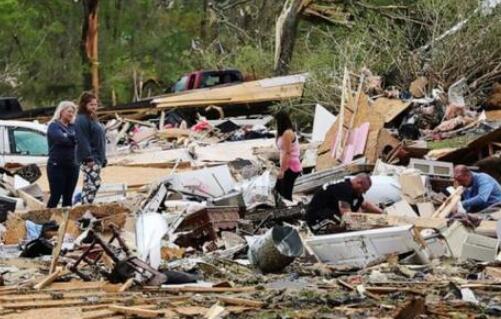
column 285, row 34
column 88, row 46
column 203, row 23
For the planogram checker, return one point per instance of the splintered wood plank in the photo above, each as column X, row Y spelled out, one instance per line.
column 66, row 296
column 98, row 314
column 84, row 285
column 450, row 203
column 242, row 302
column 389, row 109
column 60, row 238
column 49, row 279
column 136, row 311
column 58, row 303
column 191, row 311
column 201, row 289
column 50, row 313
column 126, row 285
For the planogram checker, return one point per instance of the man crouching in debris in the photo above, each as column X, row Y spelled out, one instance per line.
column 330, row 203
column 481, row 190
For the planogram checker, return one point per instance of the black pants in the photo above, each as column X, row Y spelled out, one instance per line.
column 285, row 185
column 62, row 182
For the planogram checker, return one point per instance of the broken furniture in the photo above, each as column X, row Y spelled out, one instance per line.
column 125, row 265
column 204, row 225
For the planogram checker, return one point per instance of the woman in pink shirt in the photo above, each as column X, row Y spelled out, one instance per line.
column 290, row 164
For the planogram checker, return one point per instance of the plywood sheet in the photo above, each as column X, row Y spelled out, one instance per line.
column 273, row 89
column 389, row 109
column 131, row 176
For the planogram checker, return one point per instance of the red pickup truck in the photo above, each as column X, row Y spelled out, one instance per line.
column 205, row 79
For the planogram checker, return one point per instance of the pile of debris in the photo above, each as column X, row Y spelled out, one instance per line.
column 210, row 237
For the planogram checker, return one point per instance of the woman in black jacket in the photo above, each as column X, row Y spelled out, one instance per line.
column 62, row 170
column 91, row 148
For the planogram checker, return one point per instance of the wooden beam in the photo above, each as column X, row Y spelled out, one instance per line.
column 49, row 279
column 201, row 289
column 31, row 202
column 242, row 302
column 134, row 311
column 60, row 238
column 449, row 204
column 126, row 285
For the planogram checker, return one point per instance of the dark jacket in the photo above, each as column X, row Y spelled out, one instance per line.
column 62, row 142
column 325, row 202
column 91, row 140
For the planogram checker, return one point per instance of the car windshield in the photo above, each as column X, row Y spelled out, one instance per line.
column 28, row 142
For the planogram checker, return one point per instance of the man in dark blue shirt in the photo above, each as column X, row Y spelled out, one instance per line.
column 481, row 190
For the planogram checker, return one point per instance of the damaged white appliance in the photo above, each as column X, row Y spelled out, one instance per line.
column 360, row 248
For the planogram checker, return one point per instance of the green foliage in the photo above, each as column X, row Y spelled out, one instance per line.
column 40, row 58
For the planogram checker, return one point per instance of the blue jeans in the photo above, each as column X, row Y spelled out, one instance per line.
column 62, row 182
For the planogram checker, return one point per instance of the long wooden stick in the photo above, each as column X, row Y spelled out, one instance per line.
column 144, row 313
column 60, row 237
column 49, row 279
column 445, row 209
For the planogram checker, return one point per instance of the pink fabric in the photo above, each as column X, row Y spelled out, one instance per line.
column 294, row 161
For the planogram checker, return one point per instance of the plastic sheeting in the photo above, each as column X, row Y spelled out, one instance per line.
column 259, row 191
column 150, row 229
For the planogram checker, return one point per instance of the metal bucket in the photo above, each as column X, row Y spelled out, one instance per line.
column 276, row 249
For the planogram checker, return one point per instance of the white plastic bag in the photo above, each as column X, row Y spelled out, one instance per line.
column 259, row 190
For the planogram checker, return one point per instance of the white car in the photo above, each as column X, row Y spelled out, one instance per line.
column 23, row 142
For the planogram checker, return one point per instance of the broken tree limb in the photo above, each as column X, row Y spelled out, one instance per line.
column 285, row 34
column 60, row 238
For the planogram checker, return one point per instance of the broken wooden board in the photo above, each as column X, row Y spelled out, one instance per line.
column 418, row 87
column 172, row 133
column 425, row 209
column 389, row 109
column 242, row 302
column 450, row 204
column 471, row 151
column 360, row 221
column 136, row 311
column 201, row 289
column 59, row 313
column 60, row 239
column 377, row 138
column 49, row 279
column 412, row 185
column 31, row 202
column 133, row 173
column 272, row 89
column 15, row 230
column 401, row 208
